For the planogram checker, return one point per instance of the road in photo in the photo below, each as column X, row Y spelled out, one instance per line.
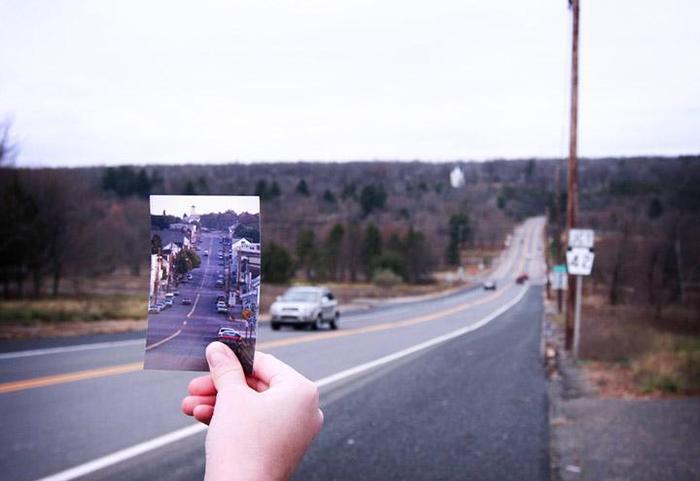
column 465, row 400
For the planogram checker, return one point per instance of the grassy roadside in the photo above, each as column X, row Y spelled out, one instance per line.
column 628, row 351
column 119, row 312
column 65, row 309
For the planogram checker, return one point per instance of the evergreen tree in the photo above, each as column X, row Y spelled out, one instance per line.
column 302, row 188
column 372, row 197
column 277, row 264
column 333, row 248
column 329, row 197
column 306, row 251
column 459, row 231
column 371, row 247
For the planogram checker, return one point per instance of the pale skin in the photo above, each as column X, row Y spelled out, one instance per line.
column 259, row 425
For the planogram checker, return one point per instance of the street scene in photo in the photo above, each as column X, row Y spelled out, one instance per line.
column 204, row 279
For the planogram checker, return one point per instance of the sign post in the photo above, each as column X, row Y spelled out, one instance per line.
column 579, row 262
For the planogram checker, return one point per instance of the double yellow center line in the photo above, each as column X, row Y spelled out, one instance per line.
column 44, row 381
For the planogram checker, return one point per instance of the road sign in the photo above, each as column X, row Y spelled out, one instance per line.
column 581, row 238
column 579, row 261
column 558, row 277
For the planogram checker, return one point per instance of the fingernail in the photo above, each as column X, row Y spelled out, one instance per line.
column 217, row 354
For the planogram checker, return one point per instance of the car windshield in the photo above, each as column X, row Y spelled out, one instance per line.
column 300, row 296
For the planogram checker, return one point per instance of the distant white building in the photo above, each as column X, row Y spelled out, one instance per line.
column 457, row 178
column 192, row 217
column 243, row 243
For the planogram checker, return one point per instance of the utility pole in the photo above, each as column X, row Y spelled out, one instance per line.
column 572, row 192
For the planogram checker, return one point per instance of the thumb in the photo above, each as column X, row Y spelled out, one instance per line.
column 226, row 370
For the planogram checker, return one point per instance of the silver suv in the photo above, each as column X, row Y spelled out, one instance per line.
column 305, row 306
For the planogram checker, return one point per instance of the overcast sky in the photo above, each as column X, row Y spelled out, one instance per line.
column 178, row 205
column 97, row 82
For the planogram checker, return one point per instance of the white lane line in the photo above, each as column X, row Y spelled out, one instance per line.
column 128, row 453
column 79, row 347
column 423, row 345
column 173, row 436
column 194, row 306
column 163, row 341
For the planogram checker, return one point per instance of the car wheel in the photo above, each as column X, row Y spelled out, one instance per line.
column 275, row 326
column 316, row 325
column 334, row 322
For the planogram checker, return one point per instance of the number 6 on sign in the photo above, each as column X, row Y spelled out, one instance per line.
column 579, row 261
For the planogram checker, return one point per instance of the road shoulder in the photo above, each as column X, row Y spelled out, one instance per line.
column 593, row 438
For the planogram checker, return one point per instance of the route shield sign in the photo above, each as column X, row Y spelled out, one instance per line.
column 579, row 261
column 581, row 238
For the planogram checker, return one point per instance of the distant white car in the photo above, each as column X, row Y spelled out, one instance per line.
column 154, row 309
column 490, row 285
column 305, row 306
column 222, row 309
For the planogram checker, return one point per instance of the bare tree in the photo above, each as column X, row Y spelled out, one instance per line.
column 8, row 151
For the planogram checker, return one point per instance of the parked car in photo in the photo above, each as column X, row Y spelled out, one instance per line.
column 490, row 285
column 219, row 283
column 189, row 277
column 154, row 309
column 168, row 301
column 206, row 253
column 522, row 278
column 228, row 334
column 222, row 309
column 305, row 306
column 186, row 301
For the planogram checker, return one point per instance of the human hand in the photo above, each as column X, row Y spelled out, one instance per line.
column 260, row 425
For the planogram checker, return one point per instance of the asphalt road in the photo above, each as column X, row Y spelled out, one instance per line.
column 178, row 335
column 448, row 388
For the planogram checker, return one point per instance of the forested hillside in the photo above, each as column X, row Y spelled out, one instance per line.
column 346, row 221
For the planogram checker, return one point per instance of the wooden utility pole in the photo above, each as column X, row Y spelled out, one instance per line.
column 572, row 192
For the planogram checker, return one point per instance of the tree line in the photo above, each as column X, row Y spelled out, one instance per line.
column 350, row 253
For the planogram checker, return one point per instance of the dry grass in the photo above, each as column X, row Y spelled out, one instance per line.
column 65, row 309
column 347, row 292
column 675, row 369
column 635, row 352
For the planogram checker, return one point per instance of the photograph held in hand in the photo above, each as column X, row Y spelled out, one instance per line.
column 204, row 279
